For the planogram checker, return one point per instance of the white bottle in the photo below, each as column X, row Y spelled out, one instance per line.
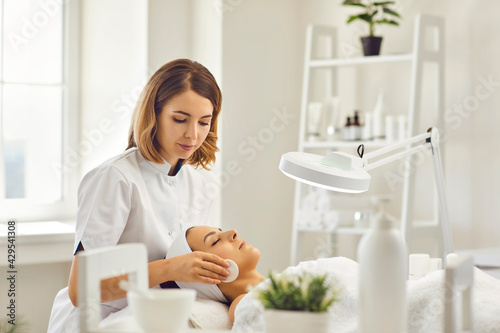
column 314, row 111
column 332, row 109
column 419, row 265
column 383, row 270
column 401, row 127
column 389, row 128
column 377, row 130
column 367, row 128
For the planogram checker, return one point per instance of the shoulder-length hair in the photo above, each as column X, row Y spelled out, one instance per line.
column 174, row 78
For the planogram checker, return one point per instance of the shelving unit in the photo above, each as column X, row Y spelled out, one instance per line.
column 419, row 55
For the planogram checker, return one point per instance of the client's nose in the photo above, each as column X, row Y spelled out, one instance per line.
column 232, row 234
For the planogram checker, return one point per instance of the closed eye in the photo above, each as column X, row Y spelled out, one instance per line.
column 204, row 124
column 179, row 120
column 218, row 239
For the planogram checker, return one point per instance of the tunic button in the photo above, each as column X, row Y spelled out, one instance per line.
column 170, row 183
column 170, row 233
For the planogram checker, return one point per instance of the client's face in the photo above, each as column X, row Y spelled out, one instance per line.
column 225, row 244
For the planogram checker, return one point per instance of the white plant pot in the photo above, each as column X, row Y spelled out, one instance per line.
column 277, row 321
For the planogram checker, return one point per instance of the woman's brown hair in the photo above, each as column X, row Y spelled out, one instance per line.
column 172, row 79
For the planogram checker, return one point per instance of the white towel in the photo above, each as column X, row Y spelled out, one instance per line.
column 208, row 314
column 425, row 299
column 426, row 303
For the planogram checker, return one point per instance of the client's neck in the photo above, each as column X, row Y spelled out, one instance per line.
column 241, row 284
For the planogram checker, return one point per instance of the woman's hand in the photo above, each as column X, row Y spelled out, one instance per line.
column 198, row 267
column 192, row 267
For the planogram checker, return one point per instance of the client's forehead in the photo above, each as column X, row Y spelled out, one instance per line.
column 201, row 231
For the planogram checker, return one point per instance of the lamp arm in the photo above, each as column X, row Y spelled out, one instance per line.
column 402, row 144
column 431, row 142
column 397, row 156
column 440, row 186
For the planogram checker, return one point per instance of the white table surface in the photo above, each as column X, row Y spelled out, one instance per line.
column 486, row 259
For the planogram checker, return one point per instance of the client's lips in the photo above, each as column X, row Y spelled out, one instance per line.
column 186, row 147
column 242, row 243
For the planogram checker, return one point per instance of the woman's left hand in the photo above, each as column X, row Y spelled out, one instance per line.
column 200, row 266
column 196, row 266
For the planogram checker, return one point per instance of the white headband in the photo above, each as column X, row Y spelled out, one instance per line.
column 179, row 247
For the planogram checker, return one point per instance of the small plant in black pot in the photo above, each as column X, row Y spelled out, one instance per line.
column 373, row 13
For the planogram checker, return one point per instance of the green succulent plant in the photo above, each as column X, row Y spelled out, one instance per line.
column 374, row 13
column 299, row 293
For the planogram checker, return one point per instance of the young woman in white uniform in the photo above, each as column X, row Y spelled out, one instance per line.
column 150, row 192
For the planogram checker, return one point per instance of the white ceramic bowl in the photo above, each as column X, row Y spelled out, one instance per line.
column 166, row 311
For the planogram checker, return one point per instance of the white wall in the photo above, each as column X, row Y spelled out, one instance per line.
column 36, row 288
column 113, row 72
column 484, row 226
column 262, row 71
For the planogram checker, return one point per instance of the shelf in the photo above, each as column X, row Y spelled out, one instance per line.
column 345, row 144
column 389, row 58
column 422, row 227
column 316, row 40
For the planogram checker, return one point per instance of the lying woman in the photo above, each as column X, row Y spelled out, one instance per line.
column 226, row 245
column 425, row 296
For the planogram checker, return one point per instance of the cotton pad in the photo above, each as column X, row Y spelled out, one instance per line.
column 233, row 270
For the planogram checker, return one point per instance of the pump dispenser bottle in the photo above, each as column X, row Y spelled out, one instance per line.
column 383, row 270
column 358, row 130
column 347, row 132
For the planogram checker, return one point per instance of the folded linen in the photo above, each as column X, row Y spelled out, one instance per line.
column 208, row 314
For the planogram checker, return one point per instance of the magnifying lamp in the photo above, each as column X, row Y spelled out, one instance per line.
column 344, row 172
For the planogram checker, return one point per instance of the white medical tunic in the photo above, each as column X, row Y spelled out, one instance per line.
column 131, row 199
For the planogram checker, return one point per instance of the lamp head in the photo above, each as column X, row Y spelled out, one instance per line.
column 337, row 171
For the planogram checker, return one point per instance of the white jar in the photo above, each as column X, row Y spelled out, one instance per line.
column 296, row 321
column 383, row 270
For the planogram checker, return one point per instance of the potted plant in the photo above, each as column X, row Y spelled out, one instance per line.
column 374, row 13
column 297, row 303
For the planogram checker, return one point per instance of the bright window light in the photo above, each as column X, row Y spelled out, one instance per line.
column 32, row 138
column 34, row 112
